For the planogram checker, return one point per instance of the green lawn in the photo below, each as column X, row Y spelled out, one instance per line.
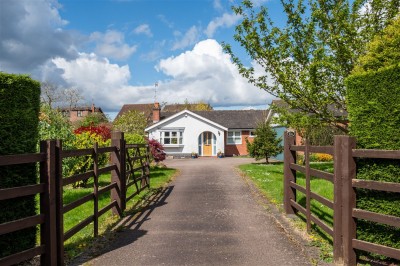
column 159, row 177
column 269, row 179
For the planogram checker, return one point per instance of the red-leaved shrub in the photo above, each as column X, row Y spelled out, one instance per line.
column 102, row 131
column 157, row 150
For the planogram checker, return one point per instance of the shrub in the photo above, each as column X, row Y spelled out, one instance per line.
column 265, row 144
column 19, row 112
column 374, row 112
column 101, row 131
column 157, row 150
column 82, row 164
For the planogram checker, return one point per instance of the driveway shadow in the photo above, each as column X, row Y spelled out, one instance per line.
column 128, row 229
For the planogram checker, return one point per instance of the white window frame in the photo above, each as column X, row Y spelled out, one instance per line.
column 79, row 113
column 252, row 134
column 169, row 134
column 235, row 135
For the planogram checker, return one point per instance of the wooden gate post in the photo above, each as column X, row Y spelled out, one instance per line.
column 59, row 204
column 48, row 236
column 344, row 201
column 118, row 159
column 337, row 201
column 289, row 174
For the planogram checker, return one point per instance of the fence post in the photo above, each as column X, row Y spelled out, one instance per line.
column 96, row 189
column 289, row 174
column 59, row 204
column 118, row 159
column 344, row 201
column 48, row 236
column 308, row 184
column 348, row 200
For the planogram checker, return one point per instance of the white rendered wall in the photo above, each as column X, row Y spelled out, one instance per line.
column 192, row 128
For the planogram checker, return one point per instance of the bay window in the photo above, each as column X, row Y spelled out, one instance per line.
column 171, row 137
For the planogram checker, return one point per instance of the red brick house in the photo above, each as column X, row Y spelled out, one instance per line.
column 79, row 112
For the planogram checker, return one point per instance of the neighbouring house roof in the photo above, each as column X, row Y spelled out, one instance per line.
column 229, row 119
column 181, row 107
column 336, row 112
column 146, row 109
column 82, row 108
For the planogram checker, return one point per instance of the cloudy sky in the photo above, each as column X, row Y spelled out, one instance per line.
column 115, row 51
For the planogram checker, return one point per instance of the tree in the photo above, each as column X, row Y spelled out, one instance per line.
column 72, row 97
column 93, row 119
column 265, row 143
column 382, row 51
column 307, row 60
column 53, row 125
column 50, row 93
column 131, row 122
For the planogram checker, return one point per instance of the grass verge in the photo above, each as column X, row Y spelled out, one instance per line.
column 269, row 180
column 159, row 177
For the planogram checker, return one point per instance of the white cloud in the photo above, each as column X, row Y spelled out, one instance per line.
column 207, row 73
column 190, row 38
column 217, row 4
column 203, row 73
column 31, row 34
column 95, row 77
column 112, row 44
column 143, row 29
column 226, row 20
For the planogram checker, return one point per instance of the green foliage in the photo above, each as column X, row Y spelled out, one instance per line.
column 131, row 122
column 308, row 127
column 374, row 111
column 53, row 125
column 84, row 164
column 374, row 108
column 382, row 51
column 19, row 111
column 307, row 60
column 93, row 119
column 265, row 143
column 196, row 106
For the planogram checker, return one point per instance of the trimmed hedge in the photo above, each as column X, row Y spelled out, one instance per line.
column 374, row 114
column 19, row 111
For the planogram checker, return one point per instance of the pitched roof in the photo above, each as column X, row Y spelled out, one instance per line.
column 82, row 108
column 235, row 119
column 335, row 111
column 146, row 109
column 232, row 119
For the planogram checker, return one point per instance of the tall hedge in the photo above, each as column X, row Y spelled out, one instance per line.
column 374, row 113
column 19, row 112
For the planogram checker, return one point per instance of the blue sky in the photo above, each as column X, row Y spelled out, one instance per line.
column 114, row 51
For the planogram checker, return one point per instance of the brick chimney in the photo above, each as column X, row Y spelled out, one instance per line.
column 156, row 112
column 93, row 109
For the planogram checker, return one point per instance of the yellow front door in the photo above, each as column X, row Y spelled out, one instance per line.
column 207, row 144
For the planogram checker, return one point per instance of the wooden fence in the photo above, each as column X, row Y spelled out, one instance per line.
column 125, row 160
column 345, row 212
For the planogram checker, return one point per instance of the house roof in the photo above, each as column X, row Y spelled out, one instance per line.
column 230, row 119
column 335, row 111
column 174, row 115
column 82, row 108
column 146, row 109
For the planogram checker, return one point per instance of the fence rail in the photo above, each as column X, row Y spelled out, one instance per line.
column 50, row 189
column 345, row 213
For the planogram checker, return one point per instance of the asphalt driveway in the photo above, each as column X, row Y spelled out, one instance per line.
column 207, row 216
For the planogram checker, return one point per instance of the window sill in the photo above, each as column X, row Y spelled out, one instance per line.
column 173, row 145
column 233, row 144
